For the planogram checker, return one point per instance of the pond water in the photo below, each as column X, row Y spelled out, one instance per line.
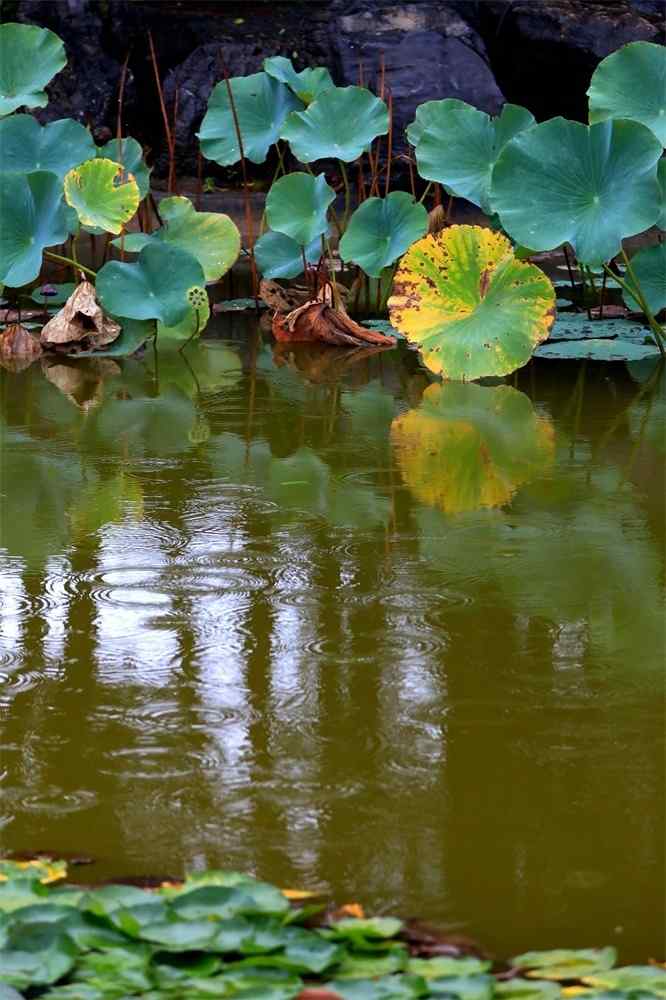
column 299, row 614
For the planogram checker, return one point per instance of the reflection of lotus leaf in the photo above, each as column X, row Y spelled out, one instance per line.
column 29, row 58
column 471, row 307
column 561, row 181
column 469, row 446
column 25, row 145
column 262, row 104
column 631, row 83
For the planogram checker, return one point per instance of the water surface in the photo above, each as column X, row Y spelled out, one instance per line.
column 301, row 615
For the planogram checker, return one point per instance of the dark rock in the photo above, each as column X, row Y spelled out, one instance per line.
column 429, row 53
column 544, row 54
column 87, row 88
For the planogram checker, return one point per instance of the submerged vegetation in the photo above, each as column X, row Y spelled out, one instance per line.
column 224, row 934
column 464, row 297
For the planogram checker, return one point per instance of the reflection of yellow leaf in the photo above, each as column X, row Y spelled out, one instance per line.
column 468, row 446
column 575, row 991
column 297, row 894
column 48, row 871
column 350, row 910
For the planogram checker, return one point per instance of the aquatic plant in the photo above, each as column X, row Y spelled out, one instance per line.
column 29, row 58
column 226, row 934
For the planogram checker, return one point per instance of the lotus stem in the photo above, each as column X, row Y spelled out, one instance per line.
column 121, row 97
column 345, row 181
column 637, row 293
column 389, row 147
column 165, row 118
column 331, row 270
column 425, row 193
column 73, row 263
column 568, row 262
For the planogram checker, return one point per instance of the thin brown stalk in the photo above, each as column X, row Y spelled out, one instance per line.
column 199, row 181
column 389, row 149
column 382, row 75
column 246, row 189
column 165, row 118
column 173, row 184
column 121, row 98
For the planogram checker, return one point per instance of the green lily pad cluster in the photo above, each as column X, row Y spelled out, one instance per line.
column 224, row 934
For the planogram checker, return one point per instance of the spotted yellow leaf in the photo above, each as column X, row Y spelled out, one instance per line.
column 102, row 193
column 472, row 308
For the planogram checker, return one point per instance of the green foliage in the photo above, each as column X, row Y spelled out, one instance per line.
column 631, row 83
column 649, row 270
column 381, row 230
column 262, row 103
column 341, row 123
column 211, row 237
column 278, row 256
column 25, row 145
column 458, row 146
column 307, row 84
column 597, row 350
column 661, row 178
column 155, row 287
column 102, row 194
column 129, row 154
column 566, row 963
column 296, row 206
column 32, row 217
column 562, row 181
column 29, row 58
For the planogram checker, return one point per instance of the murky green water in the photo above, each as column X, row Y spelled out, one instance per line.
column 247, row 622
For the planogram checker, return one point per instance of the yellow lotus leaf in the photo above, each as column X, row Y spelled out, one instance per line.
column 472, row 308
column 103, row 194
column 469, row 446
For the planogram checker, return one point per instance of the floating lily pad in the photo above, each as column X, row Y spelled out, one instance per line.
column 307, row 84
column 341, row 123
column 156, row 286
column 458, row 145
column 381, row 229
column 296, row 205
column 211, row 237
column 29, row 58
column 597, row 350
column 32, row 217
column 356, row 928
column 102, row 194
column 57, row 295
column 262, row 103
column 237, row 305
column 469, row 305
column 650, row 978
column 576, row 326
column 474, row 987
column 631, row 83
column 561, row 181
column 467, row 447
column 563, row 963
column 435, row 968
column 527, row 989
column 385, row 327
column 129, row 153
column 649, row 267
column 25, row 145
column 384, row 988
column 278, row 256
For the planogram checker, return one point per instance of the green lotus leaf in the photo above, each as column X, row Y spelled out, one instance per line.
column 661, row 179
column 384, row 988
column 356, row 928
column 381, row 229
column 469, row 305
column 649, row 267
column 464, row 987
column 563, row 963
column 457, row 145
column 262, row 103
column 576, row 326
column 36, row 954
column 361, row 965
column 29, row 58
column 341, row 123
column 211, row 237
column 32, row 217
column 631, row 83
column 431, row 968
column 467, row 447
column 527, row 989
column 129, row 153
column 296, row 205
column 597, row 350
column 62, row 293
column 102, row 194
column 589, row 185
column 307, row 84
column 156, row 286
column 650, row 978
column 278, row 256
column 25, row 145
column 133, row 335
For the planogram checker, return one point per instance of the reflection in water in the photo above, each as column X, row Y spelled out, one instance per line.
column 237, row 630
column 468, row 446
